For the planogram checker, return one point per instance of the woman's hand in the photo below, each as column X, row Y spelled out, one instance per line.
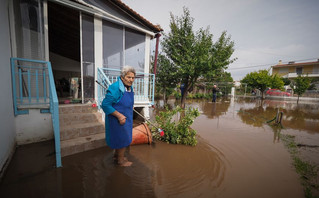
column 120, row 117
column 122, row 120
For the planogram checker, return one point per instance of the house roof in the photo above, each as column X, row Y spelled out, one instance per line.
column 130, row 11
column 126, row 9
column 296, row 64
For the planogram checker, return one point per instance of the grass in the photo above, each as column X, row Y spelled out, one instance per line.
column 307, row 171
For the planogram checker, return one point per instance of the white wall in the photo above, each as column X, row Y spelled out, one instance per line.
column 33, row 127
column 7, row 127
column 98, row 47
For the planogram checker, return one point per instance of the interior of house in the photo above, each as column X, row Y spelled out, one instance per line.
column 64, row 52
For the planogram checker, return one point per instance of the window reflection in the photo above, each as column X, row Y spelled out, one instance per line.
column 112, row 45
column 135, row 49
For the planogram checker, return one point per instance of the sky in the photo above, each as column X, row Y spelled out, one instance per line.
column 264, row 31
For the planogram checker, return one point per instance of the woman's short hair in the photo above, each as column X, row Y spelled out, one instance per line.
column 127, row 69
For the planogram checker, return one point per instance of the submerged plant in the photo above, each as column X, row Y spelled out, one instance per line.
column 177, row 131
column 308, row 172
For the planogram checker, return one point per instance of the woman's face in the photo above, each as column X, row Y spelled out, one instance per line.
column 128, row 79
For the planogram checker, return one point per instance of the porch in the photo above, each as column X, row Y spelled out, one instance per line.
column 34, row 89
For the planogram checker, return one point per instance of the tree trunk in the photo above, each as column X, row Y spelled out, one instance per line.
column 298, row 99
column 183, row 99
column 164, row 97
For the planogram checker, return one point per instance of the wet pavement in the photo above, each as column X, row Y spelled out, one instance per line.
column 237, row 155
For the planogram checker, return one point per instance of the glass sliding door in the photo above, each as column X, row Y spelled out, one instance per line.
column 113, row 39
column 29, row 29
column 88, row 63
column 135, row 49
column 29, row 44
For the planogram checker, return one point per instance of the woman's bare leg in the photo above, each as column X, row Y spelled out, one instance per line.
column 121, row 160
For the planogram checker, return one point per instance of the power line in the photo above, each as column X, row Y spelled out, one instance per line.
column 269, row 64
column 266, row 65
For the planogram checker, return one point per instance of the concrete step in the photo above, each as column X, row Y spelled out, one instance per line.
column 79, row 118
column 81, row 144
column 77, row 108
column 81, row 130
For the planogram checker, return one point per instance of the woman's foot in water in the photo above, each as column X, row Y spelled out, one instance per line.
column 124, row 162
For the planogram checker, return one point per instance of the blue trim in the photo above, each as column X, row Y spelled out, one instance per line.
column 20, row 86
column 139, row 85
column 22, row 112
column 45, row 111
column 53, row 99
column 44, row 87
column 37, row 85
column 54, row 107
column 14, row 87
column 29, row 86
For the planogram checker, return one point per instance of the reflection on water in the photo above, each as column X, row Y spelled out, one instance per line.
column 237, row 155
column 157, row 171
column 183, row 171
column 302, row 117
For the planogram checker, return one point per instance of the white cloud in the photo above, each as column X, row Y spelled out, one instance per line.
column 264, row 32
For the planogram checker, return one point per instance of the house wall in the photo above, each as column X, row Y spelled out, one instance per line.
column 292, row 69
column 275, row 70
column 307, row 69
column 33, row 127
column 278, row 72
column 7, row 133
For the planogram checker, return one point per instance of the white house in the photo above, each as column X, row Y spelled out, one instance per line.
column 67, row 45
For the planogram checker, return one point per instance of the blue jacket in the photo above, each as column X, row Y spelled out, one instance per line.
column 113, row 95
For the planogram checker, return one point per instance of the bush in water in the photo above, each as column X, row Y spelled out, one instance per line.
column 177, row 132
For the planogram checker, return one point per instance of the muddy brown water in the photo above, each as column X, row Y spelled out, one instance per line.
column 237, row 155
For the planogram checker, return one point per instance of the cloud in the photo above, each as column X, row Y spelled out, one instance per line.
column 263, row 58
column 264, row 32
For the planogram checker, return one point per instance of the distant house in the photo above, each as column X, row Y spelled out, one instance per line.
column 293, row 69
column 53, row 51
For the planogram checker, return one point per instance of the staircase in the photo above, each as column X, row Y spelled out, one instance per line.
column 81, row 129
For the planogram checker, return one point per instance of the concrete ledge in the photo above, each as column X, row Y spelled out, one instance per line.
column 81, row 144
column 291, row 98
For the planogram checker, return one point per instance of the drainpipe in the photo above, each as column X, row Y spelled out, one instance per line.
column 156, row 52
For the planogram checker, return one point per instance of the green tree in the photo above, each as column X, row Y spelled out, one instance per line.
column 277, row 82
column 166, row 76
column 286, row 81
column 194, row 54
column 300, row 85
column 221, row 53
column 258, row 80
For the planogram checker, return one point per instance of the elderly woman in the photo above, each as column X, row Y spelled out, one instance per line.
column 118, row 107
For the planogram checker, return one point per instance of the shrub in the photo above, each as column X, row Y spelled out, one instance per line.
column 177, row 95
column 177, row 132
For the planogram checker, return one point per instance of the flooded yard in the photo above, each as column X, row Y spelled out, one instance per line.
column 238, row 155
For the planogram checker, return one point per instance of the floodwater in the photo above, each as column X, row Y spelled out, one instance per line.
column 237, row 155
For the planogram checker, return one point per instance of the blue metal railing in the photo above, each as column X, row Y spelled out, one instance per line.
column 33, row 87
column 143, row 85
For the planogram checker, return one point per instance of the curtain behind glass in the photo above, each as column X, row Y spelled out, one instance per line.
column 29, row 29
column 135, row 49
column 88, row 56
column 112, row 45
